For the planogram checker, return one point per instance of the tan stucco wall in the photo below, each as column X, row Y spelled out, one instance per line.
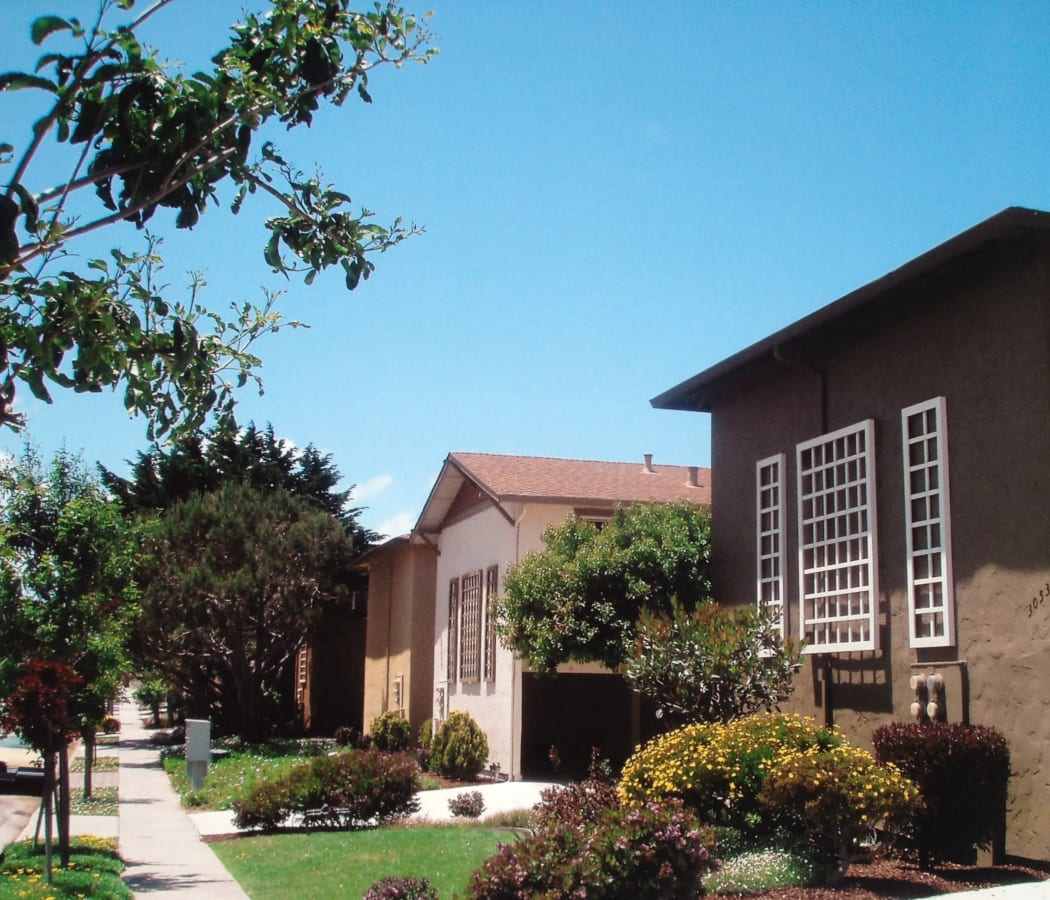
column 400, row 632
column 981, row 340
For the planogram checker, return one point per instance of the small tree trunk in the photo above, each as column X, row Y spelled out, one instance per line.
column 49, row 799
column 63, row 804
column 89, row 762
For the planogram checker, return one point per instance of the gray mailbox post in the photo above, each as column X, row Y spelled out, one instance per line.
column 198, row 750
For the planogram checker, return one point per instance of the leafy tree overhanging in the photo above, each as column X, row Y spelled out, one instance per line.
column 140, row 137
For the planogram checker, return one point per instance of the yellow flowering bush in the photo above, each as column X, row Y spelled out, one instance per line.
column 718, row 770
column 840, row 794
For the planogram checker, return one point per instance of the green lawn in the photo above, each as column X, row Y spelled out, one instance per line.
column 94, row 872
column 228, row 779
column 346, row 864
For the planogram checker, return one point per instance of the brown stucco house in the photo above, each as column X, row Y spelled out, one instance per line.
column 399, row 647
column 484, row 514
column 883, row 479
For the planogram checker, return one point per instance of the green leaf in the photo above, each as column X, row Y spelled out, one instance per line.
column 48, row 25
column 16, row 81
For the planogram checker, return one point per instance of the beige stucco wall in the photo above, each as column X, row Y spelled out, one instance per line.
column 477, row 540
column 400, row 632
column 981, row 340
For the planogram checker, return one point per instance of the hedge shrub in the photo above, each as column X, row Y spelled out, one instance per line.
column 390, row 732
column 360, row 788
column 962, row 772
column 648, row 852
column 718, row 770
column 840, row 795
column 460, row 747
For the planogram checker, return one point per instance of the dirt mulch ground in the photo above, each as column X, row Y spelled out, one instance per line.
column 881, row 879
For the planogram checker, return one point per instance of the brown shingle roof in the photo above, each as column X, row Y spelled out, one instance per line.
column 581, row 480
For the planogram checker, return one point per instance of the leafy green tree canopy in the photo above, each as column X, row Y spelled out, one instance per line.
column 233, row 582
column 710, row 664
column 578, row 600
column 140, row 136
column 199, row 464
column 66, row 583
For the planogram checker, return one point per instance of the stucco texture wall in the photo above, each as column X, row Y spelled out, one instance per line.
column 980, row 337
column 400, row 642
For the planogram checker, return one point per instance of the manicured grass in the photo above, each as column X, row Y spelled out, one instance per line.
column 100, row 764
column 94, row 871
column 346, row 864
column 103, row 802
column 228, row 779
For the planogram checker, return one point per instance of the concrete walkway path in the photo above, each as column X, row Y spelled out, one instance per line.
column 164, row 852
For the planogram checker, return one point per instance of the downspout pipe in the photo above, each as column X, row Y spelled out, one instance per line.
column 822, row 375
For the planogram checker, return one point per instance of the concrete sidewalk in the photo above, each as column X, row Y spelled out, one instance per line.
column 163, row 851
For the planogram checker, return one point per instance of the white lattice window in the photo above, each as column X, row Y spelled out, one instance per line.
column 470, row 646
column 931, row 615
column 769, row 478
column 838, row 587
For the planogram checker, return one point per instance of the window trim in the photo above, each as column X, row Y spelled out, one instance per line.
column 778, row 463
column 452, row 669
column 868, row 538
column 491, row 591
column 942, row 520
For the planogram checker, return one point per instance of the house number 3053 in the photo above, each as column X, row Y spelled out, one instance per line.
column 1036, row 602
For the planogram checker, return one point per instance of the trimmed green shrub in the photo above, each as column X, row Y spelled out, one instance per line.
column 390, row 732
column 962, row 772
column 359, row 789
column 718, row 770
column 839, row 795
column 425, row 741
column 398, row 888
column 460, row 747
column 648, row 852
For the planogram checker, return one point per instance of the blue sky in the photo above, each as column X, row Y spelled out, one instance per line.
column 615, row 197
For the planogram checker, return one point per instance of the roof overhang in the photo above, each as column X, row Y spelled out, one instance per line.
column 695, row 394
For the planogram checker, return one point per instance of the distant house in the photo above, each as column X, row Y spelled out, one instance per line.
column 883, row 480
column 485, row 513
column 399, row 648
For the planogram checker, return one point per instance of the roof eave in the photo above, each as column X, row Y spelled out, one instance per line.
column 694, row 394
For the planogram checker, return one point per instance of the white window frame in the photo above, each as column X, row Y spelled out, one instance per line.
column 770, row 507
column 838, row 541
column 931, row 620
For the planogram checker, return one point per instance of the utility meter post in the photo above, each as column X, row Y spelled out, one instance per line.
column 198, row 750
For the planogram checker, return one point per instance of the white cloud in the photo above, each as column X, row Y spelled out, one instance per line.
column 397, row 524
column 373, row 487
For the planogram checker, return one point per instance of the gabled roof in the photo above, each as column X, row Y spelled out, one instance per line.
column 508, row 479
column 855, row 311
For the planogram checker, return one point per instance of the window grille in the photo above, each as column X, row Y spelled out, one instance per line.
column 769, row 477
column 838, row 586
column 491, row 591
column 470, row 646
column 453, row 628
column 931, row 618
column 301, row 670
